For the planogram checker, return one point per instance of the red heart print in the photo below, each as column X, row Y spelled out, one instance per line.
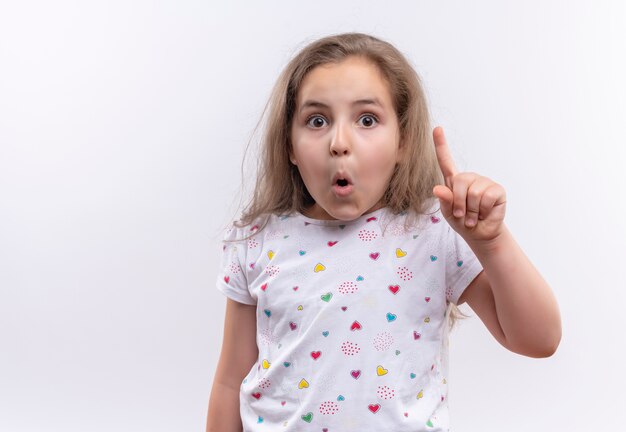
column 373, row 218
column 316, row 354
column 434, row 219
column 283, row 403
column 332, row 243
column 254, row 228
column 416, row 335
column 343, row 308
column 355, row 374
column 355, row 326
column 394, row 288
column 252, row 266
column 226, row 279
column 256, row 395
column 295, row 288
column 427, row 299
column 293, row 325
column 264, row 286
column 374, row 408
column 374, row 255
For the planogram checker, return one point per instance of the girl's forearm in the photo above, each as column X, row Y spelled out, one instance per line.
column 224, row 415
column 527, row 309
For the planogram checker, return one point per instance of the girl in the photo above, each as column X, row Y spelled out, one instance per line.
column 361, row 238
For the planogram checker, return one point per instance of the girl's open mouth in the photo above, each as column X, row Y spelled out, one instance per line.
column 342, row 187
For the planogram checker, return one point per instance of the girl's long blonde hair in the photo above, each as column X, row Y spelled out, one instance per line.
column 280, row 189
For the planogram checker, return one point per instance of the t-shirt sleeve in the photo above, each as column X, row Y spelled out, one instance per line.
column 462, row 265
column 231, row 278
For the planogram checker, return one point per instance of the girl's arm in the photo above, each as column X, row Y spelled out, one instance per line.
column 512, row 299
column 239, row 353
column 510, row 296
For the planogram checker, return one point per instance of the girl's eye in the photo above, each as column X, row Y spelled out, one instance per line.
column 369, row 123
column 315, row 121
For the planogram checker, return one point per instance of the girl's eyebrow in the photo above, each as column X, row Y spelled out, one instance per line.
column 317, row 104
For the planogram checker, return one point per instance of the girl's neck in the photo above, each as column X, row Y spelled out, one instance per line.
column 317, row 212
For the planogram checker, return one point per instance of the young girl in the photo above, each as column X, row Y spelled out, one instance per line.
column 344, row 272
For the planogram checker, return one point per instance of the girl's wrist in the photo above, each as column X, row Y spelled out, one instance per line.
column 494, row 245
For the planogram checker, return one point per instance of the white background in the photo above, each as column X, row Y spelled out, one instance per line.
column 122, row 129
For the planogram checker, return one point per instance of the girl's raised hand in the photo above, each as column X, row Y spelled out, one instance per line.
column 472, row 204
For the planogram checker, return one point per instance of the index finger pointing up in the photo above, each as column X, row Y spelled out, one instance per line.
column 444, row 156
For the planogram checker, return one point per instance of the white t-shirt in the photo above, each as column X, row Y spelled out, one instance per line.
column 352, row 321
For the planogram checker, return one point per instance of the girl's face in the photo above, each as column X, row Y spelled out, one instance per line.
column 345, row 138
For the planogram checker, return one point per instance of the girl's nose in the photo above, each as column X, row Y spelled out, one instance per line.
column 340, row 144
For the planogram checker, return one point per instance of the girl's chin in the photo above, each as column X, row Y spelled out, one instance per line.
column 340, row 212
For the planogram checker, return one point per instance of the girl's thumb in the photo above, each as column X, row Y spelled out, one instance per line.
column 446, row 199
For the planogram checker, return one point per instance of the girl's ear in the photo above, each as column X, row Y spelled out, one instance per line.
column 401, row 151
column 292, row 158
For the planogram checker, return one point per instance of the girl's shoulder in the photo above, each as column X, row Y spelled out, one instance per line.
column 238, row 231
column 267, row 226
column 410, row 221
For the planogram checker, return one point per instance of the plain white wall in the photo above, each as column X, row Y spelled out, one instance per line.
column 122, row 128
